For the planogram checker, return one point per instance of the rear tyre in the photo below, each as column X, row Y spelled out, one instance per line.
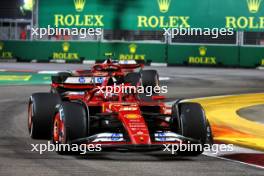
column 70, row 123
column 192, row 124
column 150, row 78
column 41, row 109
column 60, row 91
column 132, row 78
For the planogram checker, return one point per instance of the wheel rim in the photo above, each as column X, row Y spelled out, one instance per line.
column 58, row 130
column 30, row 121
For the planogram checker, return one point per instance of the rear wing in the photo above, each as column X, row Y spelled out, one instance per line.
column 130, row 64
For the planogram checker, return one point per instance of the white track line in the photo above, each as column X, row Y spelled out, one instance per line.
column 159, row 64
column 6, row 100
column 260, row 68
column 48, row 72
column 88, row 62
column 236, row 150
column 58, row 61
column 236, row 161
column 164, row 78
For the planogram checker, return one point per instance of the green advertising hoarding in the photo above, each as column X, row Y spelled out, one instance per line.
column 152, row 14
column 43, row 51
column 251, row 56
column 135, row 51
column 200, row 55
column 4, row 51
column 203, row 55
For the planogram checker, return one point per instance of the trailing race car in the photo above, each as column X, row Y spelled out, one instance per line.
column 79, row 79
column 115, row 120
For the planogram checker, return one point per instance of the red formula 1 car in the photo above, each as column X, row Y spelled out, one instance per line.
column 115, row 120
column 77, row 80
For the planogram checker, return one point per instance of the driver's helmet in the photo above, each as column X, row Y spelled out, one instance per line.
column 108, row 61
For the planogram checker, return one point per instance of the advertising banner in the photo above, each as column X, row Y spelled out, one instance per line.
column 152, row 14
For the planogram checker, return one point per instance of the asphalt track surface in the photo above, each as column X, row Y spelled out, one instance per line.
column 252, row 113
column 15, row 144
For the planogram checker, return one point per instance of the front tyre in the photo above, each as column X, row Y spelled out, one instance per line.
column 192, row 124
column 70, row 123
column 41, row 109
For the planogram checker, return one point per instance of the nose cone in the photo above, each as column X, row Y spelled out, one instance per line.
column 136, row 128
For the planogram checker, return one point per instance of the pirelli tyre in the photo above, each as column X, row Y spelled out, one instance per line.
column 132, row 78
column 191, row 123
column 59, row 90
column 70, row 123
column 150, row 78
column 41, row 109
